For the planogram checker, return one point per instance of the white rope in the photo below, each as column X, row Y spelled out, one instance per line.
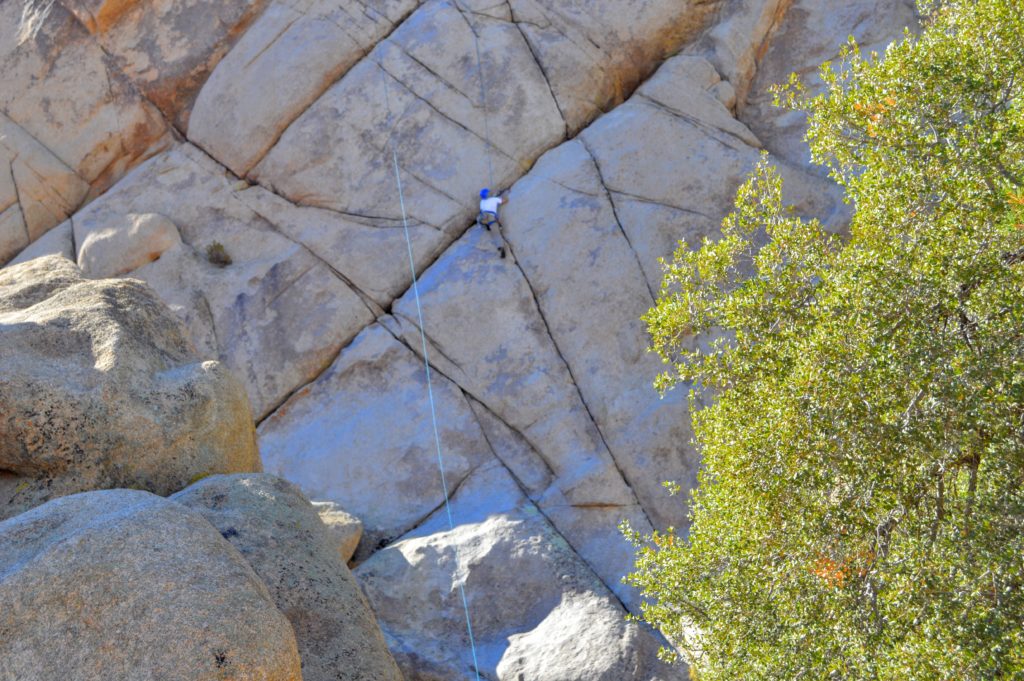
column 426, row 369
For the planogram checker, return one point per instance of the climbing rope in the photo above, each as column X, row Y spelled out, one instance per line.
column 426, row 367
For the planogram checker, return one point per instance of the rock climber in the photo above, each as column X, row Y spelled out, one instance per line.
column 489, row 215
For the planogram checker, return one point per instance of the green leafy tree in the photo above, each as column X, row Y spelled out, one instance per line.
column 860, row 512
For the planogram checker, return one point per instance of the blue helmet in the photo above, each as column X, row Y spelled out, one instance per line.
column 484, row 192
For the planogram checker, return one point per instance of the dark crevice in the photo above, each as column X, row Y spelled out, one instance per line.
column 615, row 213
column 568, row 368
column 373, row 548
column 363, row 219
column 436, row 75
column 273, row 41
column 497, row 417
column 327, row 367
column 654, row 202
column 38, row 141
column 368, row 302
column 543, row 71
column 213, row 322
column 433, row 343
column 714, row 132
column 74, row 239
column 17, row 200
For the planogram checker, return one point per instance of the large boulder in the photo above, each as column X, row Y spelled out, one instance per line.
column 99, row 389
column 118, row 249
column 537, row 611
column 122, row 584
column 279, row 532
column 268, row 308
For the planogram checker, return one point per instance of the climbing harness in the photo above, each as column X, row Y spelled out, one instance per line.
column 426, row 362
column 486, row 218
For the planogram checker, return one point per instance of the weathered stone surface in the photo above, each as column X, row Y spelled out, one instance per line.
column 370, row 251
column 539, row 359
column 139, row 239
column 811, row 33
column 605, row 648
column 13, row 233
column 361, row 436
column 122, row 584
column 496, row 346
column 99, row 389
column 302, row 47
column 276, row 315
column 61, row 89
column 336, row 154
column 55, row 242
column 46, row 190
column 736, row 43
column 167, row 48
column 535, row 58
column 521, row 581
column 279, row 533
column 593, row 53
column 344, row 528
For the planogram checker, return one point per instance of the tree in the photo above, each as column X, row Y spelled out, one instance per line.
column 860, row 511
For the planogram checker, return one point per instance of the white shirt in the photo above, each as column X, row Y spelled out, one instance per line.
column 490, row 205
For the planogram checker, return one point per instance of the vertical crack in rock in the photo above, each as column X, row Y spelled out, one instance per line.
column 743, row 89
column 572, row 377
column 107, row 67
column 615, row 213
column 540, row 455
column 500, row 461
column 74, row 240
column 543, row 71
column 209, row 315
column 17, row 200
column 530, row 498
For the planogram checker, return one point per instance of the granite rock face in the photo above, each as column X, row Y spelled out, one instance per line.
column 122, row 584
column 100, row 389
column 271, row 138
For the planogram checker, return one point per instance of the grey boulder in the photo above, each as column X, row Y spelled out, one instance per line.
column 121, row 584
